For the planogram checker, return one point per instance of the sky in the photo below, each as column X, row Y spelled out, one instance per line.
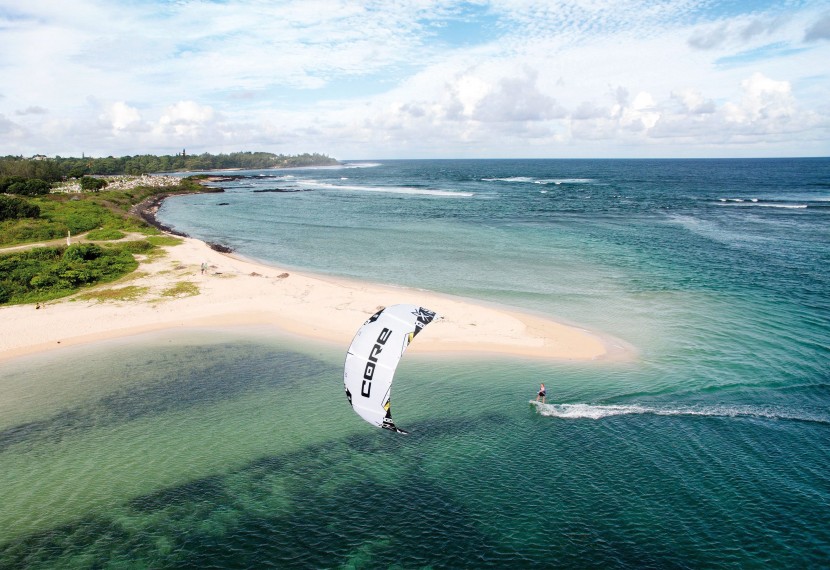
column 383, row 79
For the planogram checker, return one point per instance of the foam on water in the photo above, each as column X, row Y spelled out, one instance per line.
column 532, row 180
column 558, row 181
column 599, row 411
column 756, row 203
column 361, row 165
column 525, row 179
column 387, row 189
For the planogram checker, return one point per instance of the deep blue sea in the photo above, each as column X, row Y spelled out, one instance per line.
column 236, row 448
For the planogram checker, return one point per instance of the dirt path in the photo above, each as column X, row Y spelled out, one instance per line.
column 80, row 238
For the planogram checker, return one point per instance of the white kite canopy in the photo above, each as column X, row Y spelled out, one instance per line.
column 373, row 356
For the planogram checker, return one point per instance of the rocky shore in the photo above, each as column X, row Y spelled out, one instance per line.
column 148, row 209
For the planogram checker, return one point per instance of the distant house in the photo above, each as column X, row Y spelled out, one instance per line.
column 40, row 157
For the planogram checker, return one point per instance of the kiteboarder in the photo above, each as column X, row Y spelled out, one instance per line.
column 542, row 393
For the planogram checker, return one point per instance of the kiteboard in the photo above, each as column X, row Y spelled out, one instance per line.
column 540, row 407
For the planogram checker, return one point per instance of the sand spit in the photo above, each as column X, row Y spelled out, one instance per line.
column 194, row 285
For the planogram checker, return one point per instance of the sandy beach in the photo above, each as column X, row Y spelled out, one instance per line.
column 172, row 291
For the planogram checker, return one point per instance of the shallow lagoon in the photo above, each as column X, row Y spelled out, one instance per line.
column 228, row 448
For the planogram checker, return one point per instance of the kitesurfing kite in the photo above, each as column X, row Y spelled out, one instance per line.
column 373, row 356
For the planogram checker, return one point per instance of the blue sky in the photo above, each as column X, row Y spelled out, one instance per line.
column 416, row 78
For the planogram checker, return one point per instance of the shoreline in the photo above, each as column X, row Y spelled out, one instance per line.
column 237, row 292
column 147, row 210
column 172, row 291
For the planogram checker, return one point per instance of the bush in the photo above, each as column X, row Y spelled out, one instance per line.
column 82, row 252
column 12, row 208
column 30, row 187
column 6, row 181
column 137, row 246
column 50, row 272
column 90, row 184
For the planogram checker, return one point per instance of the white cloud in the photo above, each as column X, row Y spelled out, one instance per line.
column 642, row 114
column 388, row 78
column 469, row 90
column 764, row 99
column 516, row 99
column 121, row 117
column 187, row 122
column 187, row 113
column 693, row 102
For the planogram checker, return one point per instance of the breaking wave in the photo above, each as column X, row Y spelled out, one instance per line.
column 529, row 180
column 760, row 203
column 387, row 189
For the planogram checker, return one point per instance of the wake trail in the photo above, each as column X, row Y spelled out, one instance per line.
column 597, row 412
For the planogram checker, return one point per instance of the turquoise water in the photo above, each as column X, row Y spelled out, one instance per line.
column 236, row 448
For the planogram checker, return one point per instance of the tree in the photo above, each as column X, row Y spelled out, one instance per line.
column 30, row 187
column 12, row 208
column 77, row 171
column 91, row 184
column 7, row 181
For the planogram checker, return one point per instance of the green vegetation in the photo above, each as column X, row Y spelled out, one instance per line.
column 78, row 213
column 128, row 293
column 56, row 169
column 35, row 215
column 133, row 276
column 164, row 240
column 105, row 234
column 59, row 217
column 90, row 184
column 154, row 254
column 44, row 273
column 24, row 186
column 78, row 216
column 181, row 289
column 12, row 208
column 137, row 246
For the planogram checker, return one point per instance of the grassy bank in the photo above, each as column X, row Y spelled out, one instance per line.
column 82, row 212
column 39, row 274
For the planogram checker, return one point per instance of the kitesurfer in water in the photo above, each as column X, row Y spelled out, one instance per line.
column 542, row 393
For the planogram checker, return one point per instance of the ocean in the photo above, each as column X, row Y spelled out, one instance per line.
column 237, row 448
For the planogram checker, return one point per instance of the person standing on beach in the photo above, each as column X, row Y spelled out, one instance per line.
column 542, row 393
column 204, row 267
